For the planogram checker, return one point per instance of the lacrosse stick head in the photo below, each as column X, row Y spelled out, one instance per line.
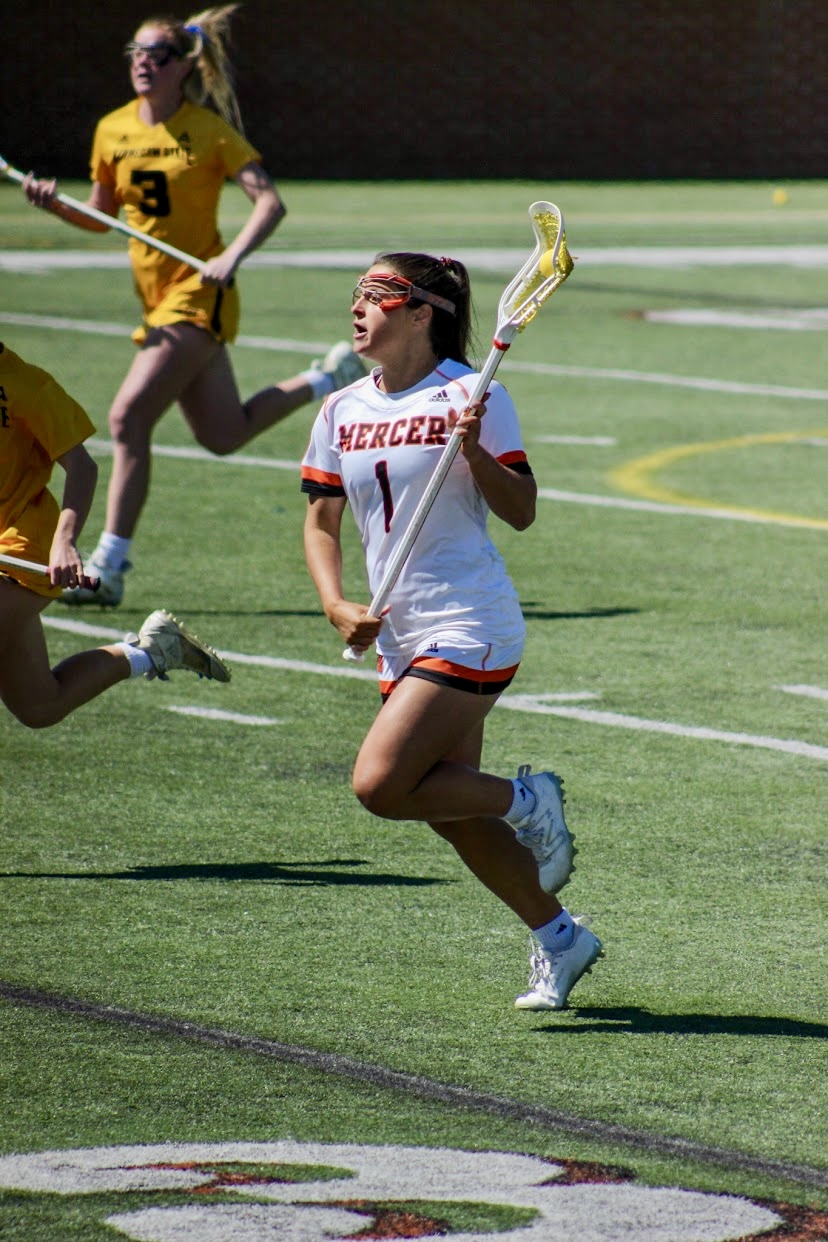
column 546, row 269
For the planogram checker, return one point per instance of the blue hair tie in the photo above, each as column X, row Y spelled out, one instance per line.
column 197, row 30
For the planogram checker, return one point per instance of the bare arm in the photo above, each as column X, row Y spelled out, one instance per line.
column 65, row 562
column 268, row 211
column 323, row 553
column 43, row 193
column 509, row 495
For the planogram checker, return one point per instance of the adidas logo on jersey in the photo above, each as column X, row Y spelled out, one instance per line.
column 442, row 395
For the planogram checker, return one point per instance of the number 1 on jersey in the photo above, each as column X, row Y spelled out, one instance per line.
column 381, row 471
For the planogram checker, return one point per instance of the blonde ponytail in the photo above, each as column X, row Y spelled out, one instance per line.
column 212, row 78
column 202, row 40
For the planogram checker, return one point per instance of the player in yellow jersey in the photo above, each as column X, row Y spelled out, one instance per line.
column 40, row 424
column 164, row 158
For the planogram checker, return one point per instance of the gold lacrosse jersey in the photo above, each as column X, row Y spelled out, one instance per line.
column 168, row 178
column 39, row 422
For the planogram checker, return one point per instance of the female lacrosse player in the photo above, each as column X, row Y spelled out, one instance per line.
column 40, row 425
column 453, row 635
column 164, row 158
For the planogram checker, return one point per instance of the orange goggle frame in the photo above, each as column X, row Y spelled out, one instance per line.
column 375, row 289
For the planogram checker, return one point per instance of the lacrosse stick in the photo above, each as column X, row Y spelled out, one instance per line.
column 17, row 562
column 546, row 269
column 111, row 222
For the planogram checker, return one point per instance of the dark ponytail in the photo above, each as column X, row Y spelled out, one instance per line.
column 450, row 334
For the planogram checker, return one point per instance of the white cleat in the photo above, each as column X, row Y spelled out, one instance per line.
column 110, row 589
column 169, row 645
column 554, row 975
column 544, row 831
column 343, row 366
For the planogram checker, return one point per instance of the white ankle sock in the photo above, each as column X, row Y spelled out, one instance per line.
column 523, row 803
column 557, row 934
column 113, row 550
column 321, row 382
column 139, row 661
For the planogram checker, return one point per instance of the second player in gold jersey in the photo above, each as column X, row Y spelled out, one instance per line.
column 168, row 178
column 163, row 159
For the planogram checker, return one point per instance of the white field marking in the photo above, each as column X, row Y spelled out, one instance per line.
column 808, row 692
column 192, row 452
column 213, row 713
column 536, row 703
column 97, row 327
column 565, row 696
column 735, row 388
column 597, row 441
column 784, row 320
column 532, row 703
column 489, row 259
column 657, row 506
column 611, row 374
column 311, row 1210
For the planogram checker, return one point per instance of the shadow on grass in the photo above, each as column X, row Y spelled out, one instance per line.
column 319, row 873
column 533, row 612
column 629, row 1020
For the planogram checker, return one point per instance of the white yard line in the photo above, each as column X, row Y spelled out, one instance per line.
column 533, row 703
column 808, row 692
column 657, row 506
column 483, row 258
column 587, row 441
column 765, row 320
column 213, row 713
column 735, row 388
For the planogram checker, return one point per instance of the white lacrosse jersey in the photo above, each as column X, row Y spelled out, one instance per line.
column 379, row 450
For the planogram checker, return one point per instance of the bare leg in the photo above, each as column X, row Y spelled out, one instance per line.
column 216, row 415
column 390, row 772
column 184, row 364
column 166, row 364
column 403, row 770
column 492, row 852
column 33, row 692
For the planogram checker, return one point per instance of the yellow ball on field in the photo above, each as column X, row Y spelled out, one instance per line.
column 780, row 197
column 547, row 264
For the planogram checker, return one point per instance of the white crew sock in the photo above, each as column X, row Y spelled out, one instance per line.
column 321, row 382
column 557, row 934
column 112, row 550
column 139, row 662
column 523, row 803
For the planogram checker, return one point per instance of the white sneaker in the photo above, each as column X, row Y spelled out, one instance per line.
column 170, row 646
column 545, row 833
column 109, row 591
column 554, row 975
column 342, row 364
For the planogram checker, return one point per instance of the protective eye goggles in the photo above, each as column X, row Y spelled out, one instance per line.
column 159, row 53
column 387, row 290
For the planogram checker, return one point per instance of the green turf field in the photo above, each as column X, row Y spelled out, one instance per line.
column 189, row 853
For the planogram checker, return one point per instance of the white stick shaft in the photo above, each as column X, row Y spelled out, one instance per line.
column 415, row 525
column 112, row 222
column 17, row 562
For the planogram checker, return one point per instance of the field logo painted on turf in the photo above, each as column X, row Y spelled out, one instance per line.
column 306, row 1192
column 635, row 477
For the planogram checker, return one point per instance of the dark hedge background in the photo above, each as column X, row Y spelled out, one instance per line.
column 397, row 89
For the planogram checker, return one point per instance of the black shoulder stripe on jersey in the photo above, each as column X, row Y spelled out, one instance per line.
column 321, row 489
